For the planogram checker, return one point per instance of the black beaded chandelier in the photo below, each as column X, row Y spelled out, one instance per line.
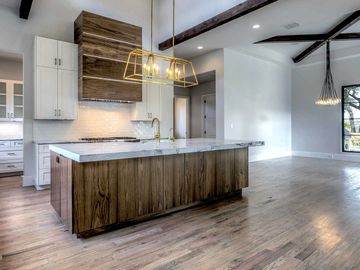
column 328, row 96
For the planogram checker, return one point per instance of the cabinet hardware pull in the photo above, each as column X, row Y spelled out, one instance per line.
column 55, row 61
column 55, row 112
column 59, row 61
column 11, row 154
column 11, row 166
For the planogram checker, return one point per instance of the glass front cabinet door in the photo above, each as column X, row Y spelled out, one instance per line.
column 11, row 100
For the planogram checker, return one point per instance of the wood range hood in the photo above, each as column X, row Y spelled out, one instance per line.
column 104, row 46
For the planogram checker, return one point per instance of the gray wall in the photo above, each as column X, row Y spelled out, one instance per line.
column 316, row 130
column 195, row 93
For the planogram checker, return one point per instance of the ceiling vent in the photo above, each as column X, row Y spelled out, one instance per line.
column 291, row 25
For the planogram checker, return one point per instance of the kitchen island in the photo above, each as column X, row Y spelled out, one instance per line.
column 100, row 186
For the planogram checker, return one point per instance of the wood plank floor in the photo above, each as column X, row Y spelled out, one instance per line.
column 298, row 214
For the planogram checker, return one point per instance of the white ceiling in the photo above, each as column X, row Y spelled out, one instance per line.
column 10, row 3
column 314, row 17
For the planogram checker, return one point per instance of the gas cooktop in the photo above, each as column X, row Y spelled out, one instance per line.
column 110, row 139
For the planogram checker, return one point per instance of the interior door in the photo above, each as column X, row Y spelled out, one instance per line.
column 68, row 55
column 182, row 117
column 67, row 94
column 46, row 93
column 209, row 116
column 46, row 52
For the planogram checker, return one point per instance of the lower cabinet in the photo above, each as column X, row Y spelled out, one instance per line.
column 11, row 157
column 91, row 197
column 42, row 176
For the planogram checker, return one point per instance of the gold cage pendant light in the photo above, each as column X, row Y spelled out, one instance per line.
column 150, row 67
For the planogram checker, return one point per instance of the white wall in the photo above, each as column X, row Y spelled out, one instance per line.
column 316, row 130
column 11, row 70
column 54, row 19
column 258, row 104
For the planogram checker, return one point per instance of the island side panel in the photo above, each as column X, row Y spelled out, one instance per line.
column 95, row 195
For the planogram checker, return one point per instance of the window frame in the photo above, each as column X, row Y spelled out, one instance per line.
column 343, row 119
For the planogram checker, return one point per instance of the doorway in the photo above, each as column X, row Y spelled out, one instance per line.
column 11, row 114
column 182, row 117
column 195, row 109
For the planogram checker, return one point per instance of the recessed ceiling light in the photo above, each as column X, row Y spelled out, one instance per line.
column 256, row 26
column 200, row 47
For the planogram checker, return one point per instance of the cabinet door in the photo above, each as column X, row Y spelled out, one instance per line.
column 18, row 101
column 3, row 100
column 46, row 51
column 153, row 101
column 67, row 94
column 46, row 93
column 67, row 56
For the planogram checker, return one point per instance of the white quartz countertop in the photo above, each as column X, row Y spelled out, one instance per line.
column 90, row 152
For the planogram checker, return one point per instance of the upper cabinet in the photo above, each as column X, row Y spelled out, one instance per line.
column 55, row 79
column 11, row 100
column 105, row 45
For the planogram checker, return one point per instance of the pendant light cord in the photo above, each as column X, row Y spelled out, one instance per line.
column 152, row 22
column 173, row 39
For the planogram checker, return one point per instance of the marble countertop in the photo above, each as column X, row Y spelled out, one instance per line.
column 90, row 152
column 11, row 139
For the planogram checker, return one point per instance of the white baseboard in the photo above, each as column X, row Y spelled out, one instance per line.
column 343, row 157
column 261, row 157
column 28, row 181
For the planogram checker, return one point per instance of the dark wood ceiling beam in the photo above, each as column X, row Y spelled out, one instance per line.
column 25, row 8
column 308, row 38
column 348, row 22
column 214, row 22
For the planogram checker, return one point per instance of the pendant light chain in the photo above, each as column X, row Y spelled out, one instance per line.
column 173, row 39
column 152, row 24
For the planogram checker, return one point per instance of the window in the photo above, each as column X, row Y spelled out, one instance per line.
column 351, row 118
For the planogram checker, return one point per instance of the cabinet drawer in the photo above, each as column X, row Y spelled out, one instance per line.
column 5, row 144
column 44, row 148
column 17, row 144
column 10, row 155
column 44, row 177
column 44, row 161
column 11, row 167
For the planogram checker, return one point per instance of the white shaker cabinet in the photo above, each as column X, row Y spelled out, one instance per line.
column 149, row 108
column 11, row 100
column 56, row 82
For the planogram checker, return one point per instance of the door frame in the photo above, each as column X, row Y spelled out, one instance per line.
column 203, row 112
column 188, row 113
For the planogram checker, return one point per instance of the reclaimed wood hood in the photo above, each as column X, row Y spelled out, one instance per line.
column 104, row 46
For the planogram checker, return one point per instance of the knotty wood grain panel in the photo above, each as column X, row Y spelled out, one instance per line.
column 194, row 176
column 106, row 27
column 241, row 178
column 55, row 184
column 150, row 194
column 225, row 171
column 94, row 89
column 102, row 68
column 209, row 188
column 174, row 181
column 106, row 48
column 128, row 187
column 95, row 195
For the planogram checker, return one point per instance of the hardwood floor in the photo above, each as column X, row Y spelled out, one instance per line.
column 297, row 214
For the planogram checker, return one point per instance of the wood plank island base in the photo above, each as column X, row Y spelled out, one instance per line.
column 102, row 186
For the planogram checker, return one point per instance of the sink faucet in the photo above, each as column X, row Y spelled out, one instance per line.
column 157, row 135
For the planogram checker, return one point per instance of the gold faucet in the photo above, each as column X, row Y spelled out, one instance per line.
column 171, row 135
column 157, row 135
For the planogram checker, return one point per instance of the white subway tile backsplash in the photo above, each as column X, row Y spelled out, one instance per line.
column 95, row 119
column 11, row 130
